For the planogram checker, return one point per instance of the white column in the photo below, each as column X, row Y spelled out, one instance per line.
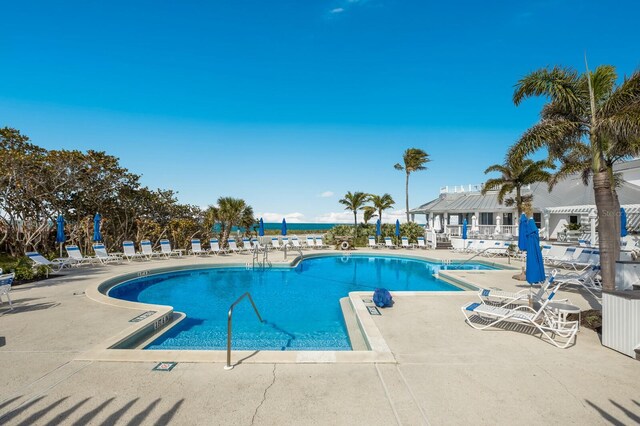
column 547, row 231
column 592, row 222
column 445, row 223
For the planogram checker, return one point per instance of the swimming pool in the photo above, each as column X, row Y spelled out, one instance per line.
column 300, row 305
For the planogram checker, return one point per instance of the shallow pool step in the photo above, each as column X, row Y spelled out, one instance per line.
column 353, row 329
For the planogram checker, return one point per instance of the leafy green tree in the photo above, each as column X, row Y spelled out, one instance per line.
column 588, row 123
column 354, row 201
column 381, row 203
column 515, row 174
column 414, row 160
column 369, row 213
column 233, row 212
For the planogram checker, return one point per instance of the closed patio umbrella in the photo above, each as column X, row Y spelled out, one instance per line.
column 397, row 227
column 498, row 225
column 623, row 222
column 284, row 227
column 60, row 238
column 261, row 228
column 97, row 236
column 522, row 233
column 464, row 229
column 535, row 266
column 474, row 224
column 436, row 224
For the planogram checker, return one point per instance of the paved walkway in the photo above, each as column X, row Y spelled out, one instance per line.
column 446, row 372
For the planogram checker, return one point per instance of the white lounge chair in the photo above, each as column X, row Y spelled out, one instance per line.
column 482, row 316
column 232, row 246
column 196, row 248
column 587, row 279
column 5, row 287
column 320, row 242
column 508, row 297
column 214, row 247
column 257, row 245
column 584, row 261
column 275, row 243
column 285, row 242
column 55, row 264
column 246, row 245
column 388, row 243
column 372, row 242
column 167, row 251
column 295, row 243
column 129, row 250
column 421, row 243
column 74, row 253
column 311, row 243
column 147, row 249
column 404, row 242
column 101, row 254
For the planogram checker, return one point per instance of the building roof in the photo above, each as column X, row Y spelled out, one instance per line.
column 569, row 192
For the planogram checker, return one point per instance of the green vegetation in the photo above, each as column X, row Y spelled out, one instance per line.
column 37, row 184
column 354, row 202
column 410, row 230
column 516, row 172
column 589, row 123
column 380, row 203
column 414, row 160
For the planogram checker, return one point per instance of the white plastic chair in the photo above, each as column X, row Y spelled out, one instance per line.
column 232, row 246
column 421, row 243
column 388, row 243
column 167, row 251
column 196, row 248
column 129, row 250
column 5, row 287
column 147, row 249
column 39, row 260
column 101, row 254
column 543, row 319
column 404, row 241
column 215, row 247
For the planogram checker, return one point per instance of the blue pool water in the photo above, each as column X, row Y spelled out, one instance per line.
column 300, row 305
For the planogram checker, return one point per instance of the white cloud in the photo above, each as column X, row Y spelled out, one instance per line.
column 337, row 10
column 335, row 217
column 294, row 217
column 326, row 194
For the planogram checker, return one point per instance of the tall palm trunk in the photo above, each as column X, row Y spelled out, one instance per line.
column 406, row 191
column 608, row 215
column 226, row 231
column 518, row 201
column 355, row 225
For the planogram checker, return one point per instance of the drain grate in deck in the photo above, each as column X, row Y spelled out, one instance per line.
column 142, row 316
column 165, row 366
column 373, row 310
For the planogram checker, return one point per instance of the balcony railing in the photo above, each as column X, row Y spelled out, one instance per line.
column 483, row 230
column 459, row 189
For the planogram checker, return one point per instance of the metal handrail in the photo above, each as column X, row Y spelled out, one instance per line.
column 229, row 322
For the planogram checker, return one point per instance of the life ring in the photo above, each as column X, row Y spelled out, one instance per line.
column 344, row 245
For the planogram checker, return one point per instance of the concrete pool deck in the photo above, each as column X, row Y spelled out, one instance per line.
column 444, row 372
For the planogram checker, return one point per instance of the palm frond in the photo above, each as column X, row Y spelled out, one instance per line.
column 497, row 168
column 628, row 93
column 561, row 85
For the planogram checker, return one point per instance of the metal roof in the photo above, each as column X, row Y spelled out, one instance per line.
column 570, row 192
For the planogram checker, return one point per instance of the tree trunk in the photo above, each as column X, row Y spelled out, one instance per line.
column 355, row 226
column 518, row 201
column 406, row 190
column 608, row 215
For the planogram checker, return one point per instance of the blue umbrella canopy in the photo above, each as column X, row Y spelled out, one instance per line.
column 97, row 236
column 535, row 265
column 623, row 222
column 284, row 227
column 378, row 231
column 60, row 238
column 261, row 228
column 397, row 227
column 464, row 229
column 522, row 233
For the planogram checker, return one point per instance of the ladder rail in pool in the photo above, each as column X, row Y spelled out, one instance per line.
column 229, row 324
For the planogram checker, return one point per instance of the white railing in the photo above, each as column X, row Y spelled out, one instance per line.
column 457, row 189
column 483, row 230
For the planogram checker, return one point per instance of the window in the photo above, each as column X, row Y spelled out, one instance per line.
column 573, row 219
column 507, row 219
column 537, row 218
column 486, row 218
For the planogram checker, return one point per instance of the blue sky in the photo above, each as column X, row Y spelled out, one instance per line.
column 283, row 102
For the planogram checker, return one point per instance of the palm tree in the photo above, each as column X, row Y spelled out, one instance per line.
column 354, row 202
column 516, row 173
column 414, row 160
column 381, row 203
column 588, row 123
column 369, row 213
column 232, row 212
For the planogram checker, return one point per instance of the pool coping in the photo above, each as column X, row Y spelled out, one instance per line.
column 163, row 317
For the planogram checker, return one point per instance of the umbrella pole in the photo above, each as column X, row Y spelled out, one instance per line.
column 60, row 249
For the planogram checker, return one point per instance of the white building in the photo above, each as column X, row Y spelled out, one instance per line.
column 570, row 202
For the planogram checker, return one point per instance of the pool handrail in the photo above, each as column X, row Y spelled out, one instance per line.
column 229, row 323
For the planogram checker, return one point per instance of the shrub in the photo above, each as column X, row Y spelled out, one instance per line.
column 410, row 230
